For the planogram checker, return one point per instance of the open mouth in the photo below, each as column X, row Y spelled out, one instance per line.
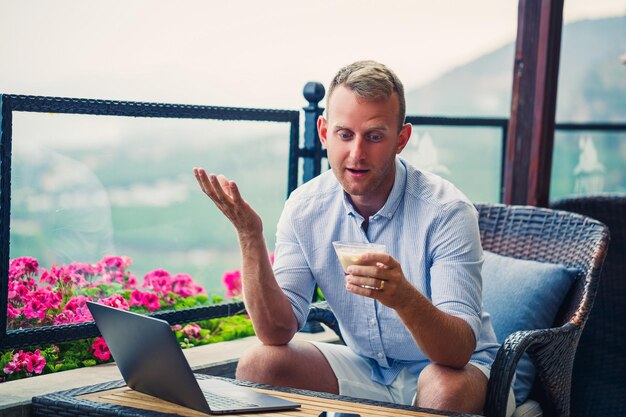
column 357, row 171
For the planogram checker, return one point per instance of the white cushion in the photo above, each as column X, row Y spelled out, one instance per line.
column 529, row 408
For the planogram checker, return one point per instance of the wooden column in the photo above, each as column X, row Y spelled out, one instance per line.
column 530, row 141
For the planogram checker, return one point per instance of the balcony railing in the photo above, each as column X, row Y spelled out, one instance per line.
column 305, row 162
column 17, row 103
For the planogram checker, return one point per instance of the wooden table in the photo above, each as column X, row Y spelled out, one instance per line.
column 116, row 399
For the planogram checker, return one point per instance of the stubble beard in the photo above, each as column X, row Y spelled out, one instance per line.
column 377, row 179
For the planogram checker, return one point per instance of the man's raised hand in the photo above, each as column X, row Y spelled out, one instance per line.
column 225, row 195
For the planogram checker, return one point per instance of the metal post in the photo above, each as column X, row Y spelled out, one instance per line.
column 314, row 93
column 5, row 206
column 312, row 154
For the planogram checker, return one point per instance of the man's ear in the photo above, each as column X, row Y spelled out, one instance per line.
column 404, row 136
column 322, row 129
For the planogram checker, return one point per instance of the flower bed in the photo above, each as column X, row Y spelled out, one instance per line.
column 39, row 297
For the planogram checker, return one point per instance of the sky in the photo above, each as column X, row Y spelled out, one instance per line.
column 243, row 53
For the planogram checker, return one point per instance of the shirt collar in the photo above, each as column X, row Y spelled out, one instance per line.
column 395, row 196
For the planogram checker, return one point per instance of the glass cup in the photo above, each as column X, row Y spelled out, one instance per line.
column 349, row 253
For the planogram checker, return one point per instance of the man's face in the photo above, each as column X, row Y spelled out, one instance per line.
column 362, row 139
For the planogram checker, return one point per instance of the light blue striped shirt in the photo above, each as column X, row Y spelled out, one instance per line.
column 427, row 225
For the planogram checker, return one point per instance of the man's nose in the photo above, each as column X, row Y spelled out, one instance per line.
column 357, row 148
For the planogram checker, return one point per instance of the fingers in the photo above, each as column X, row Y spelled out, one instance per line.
column 376, row 280
column 229, row 189
column 218, row 188
column 201, row 178
column 204, row 181
column 377, row 290
column 382, row 260
column 369, row 271
column 366, row 282
column 234, row 192
column 370, row 277
column 227, row 198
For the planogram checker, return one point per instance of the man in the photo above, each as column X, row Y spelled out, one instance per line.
column 412, row 320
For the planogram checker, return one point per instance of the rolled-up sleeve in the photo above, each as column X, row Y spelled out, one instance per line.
column 291, row 268
column 455, row 274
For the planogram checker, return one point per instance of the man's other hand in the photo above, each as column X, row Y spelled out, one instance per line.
column 378, row 276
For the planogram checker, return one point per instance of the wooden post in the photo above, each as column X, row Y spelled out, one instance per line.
column 530, row 142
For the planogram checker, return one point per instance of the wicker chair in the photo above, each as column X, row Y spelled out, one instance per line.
column 542, row 235
column 600, row 362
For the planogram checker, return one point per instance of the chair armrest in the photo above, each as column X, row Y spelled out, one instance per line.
column 321, row 312
column 551, row 352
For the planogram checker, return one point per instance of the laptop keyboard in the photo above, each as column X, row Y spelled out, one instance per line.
column 220, row 402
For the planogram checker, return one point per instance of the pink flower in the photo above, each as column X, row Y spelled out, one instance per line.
column 136, row 298
column 49, row 298
column 21, row 290
column 30, row 265
column 117, row 276
column 158, row 280
column 11, row 367
column 146, row 299
column 21, row 267
column 68, row 275
column 66, row 317
column 75, row 311
column 107, row 278
column 48, row 277
column 183, row 285
column 77, row 303
column 116, row 301
column 70, row 317
column 13, row 312
column 100, row 349
column 131, row 282
column 151, row 301
column 17, row 363
column 83, row 269
column 115, row 262
column 192, row 330
column 232, row 282
column 12, row 289
column 35, row 309
column 35, row 362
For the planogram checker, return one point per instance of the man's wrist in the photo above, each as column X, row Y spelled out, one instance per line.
column 407, row 303
column 250, row 235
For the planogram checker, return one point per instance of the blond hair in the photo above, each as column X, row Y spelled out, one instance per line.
column 370, row 80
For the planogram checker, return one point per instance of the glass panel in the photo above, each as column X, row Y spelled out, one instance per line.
column 588, row 163
column 468, row 157
column 88, row 186
column 591, row 89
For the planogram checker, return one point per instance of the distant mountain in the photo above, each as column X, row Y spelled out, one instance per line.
column 592, row 81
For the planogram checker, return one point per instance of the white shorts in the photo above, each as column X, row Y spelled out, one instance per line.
column 353, row 374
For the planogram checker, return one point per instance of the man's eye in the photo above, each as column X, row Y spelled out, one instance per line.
column 374, row 137
column 344, row 135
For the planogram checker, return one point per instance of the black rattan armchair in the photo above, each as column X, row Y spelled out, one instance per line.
column 598, row 387
column 542, row 235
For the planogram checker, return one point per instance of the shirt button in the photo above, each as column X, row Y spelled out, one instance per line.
column 380, row 355
column 373, row 322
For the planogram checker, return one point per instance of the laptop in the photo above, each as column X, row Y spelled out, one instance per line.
column 151, row 361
